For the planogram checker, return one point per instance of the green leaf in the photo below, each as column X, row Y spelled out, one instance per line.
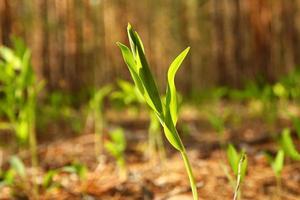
column 48, row 178
column 130, row 62
column 233, row 158
column 171, row 94
column 288, row 145
column 243, row 158
column 277, row 164
column 171, row 132
column 18, row 166
column 144, row 71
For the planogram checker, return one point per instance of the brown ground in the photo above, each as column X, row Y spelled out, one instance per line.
column 164, row 180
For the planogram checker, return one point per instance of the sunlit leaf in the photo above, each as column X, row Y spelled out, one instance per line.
column 171, row 94
column 288, row 145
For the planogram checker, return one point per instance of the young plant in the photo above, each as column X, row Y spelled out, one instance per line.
column 116, row 146
column 156, row 145
column 277, row 164
column 48, row 179
column 166, row 111
column 238, row 163
column 76, row 168
column 19, row 89
column 96, row 113
column 16, row 177
column 218, row 124
column 288, row 146
column 131, row 96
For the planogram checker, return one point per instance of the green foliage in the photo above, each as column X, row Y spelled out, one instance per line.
column 48, row 179
column 96, row 102
column 166, row 111
column 128, row 94
column 277, row 163
column 217, row 122
column 96, row 114
column 76, row 168
column 19, row 89
column 17, row 169
column 234, row 158
column 288, row 146
column 279, row 90
column 141, row 74
column 116, row 146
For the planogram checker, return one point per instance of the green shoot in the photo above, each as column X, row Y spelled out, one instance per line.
column 76, row 168
column 18, row 166
column 130, row 95
column 156, row 145
column 288, row 146
column 238, row 163
column 96, row 111
column 116, row 146
column 218, row 124
column 20, row 89
column 277, row 165
column 166, row 112
column 48, row 181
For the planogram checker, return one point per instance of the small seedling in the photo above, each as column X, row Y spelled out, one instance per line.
column 218, row 124
column 166, row 112
column 16, row 177
column 48, row 181
column 277, row 164
column 238, row 163
column 288, row 146
column 116, row 146
column 96, row 112
column 156, row 144
column 131, row 96
column 76, row 168
column 19, row 89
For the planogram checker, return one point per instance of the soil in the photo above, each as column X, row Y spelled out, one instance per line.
column 156, row 178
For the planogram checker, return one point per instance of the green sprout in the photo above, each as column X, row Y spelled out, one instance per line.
column 156, row 145
column 19, row 89
column 130, row 95
column 218, row 124
column 96, row 113
column 76, row 168
column 288, row 146
column 116, row 146
column 16, row 176
column 277, row 165
column 166, row 111
column 48, row 179
column 238, row 162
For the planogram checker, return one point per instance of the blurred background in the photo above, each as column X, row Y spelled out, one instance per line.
column 232, row 41
column 74, row 126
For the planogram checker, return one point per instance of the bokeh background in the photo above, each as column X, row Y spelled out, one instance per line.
column 232, row 41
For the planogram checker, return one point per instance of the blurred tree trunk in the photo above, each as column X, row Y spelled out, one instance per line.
column 219, row 41
column 45, row 43
column 6, row 22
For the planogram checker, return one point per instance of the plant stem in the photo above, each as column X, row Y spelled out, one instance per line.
column 98, row 124
column 33, row 145
column 238, row 181
column 190, row 174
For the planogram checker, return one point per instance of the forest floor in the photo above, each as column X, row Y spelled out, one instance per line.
column 161, row 179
